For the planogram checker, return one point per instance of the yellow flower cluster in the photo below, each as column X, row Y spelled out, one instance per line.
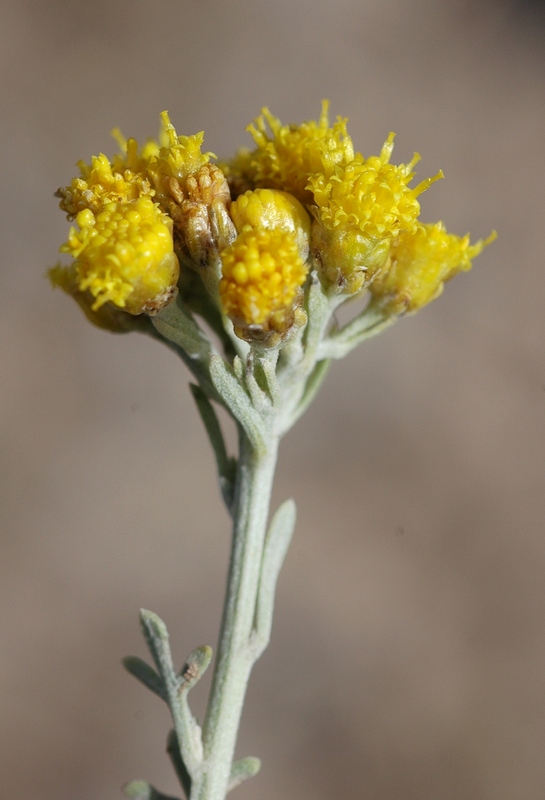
column 360, row 205
column 262, row 276
column 253, row 228
column 419, row 264
column 360, row 210
column 124, row 248
column 124, row 255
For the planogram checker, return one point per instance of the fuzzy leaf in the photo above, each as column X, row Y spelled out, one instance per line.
column 276, row 546
column 177, row 325
column 237, row 401
column 312, row 386
column 226, row 465
column 242, row 770
column 156, row 635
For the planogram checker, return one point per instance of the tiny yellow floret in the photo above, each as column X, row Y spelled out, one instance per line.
column 124, row 256
column 420, row 262
column 262, row 277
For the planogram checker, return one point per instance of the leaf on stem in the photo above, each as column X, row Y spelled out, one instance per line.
column 237, row 401
column 146, row 675
column 242, row 770
column 276, row 546
column 140, row 790
column 319, row 308
column 177, row 325
column 368, row 323
column 156, row 636
column 226, row 466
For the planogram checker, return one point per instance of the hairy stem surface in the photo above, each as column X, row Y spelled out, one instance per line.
column 235, row 655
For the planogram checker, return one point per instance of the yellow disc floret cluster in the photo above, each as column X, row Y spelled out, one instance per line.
column 370, row 195
column 360, row 210
column 101, row 182
column 420, row 262
column 286, row 156
column 262, row 278
column 124, row 255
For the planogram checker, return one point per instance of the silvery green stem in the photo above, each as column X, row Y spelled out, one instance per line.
column 236, row 653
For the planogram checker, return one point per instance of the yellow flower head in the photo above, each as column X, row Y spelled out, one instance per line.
column 178, row 158
column 346, row 259
column 261, row 284
column 370, row 195
column 359, row 211
column 289, row 154
column 271, row 208
column 420, row 262
column 124, row 256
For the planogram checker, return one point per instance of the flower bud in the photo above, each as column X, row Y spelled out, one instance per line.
column 200, row 210
column 347, row 259
column 261, row 285
column 180, row 157
column 270, row 208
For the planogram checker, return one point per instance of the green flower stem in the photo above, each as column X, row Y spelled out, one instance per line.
column 236, row 653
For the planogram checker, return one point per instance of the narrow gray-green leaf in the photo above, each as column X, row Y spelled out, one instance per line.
column 226, row 465
column 364, row 326
column 313, row 384
column 237, row 401
column 176, row 324
column 156, row 635
column 242, row 770
column 146, row 675
column 276, row 546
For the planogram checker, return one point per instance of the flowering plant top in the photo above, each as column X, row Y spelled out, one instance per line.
column 153, row 220
column 260, row 250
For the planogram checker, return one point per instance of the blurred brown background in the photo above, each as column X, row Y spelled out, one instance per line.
column 408, row 652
